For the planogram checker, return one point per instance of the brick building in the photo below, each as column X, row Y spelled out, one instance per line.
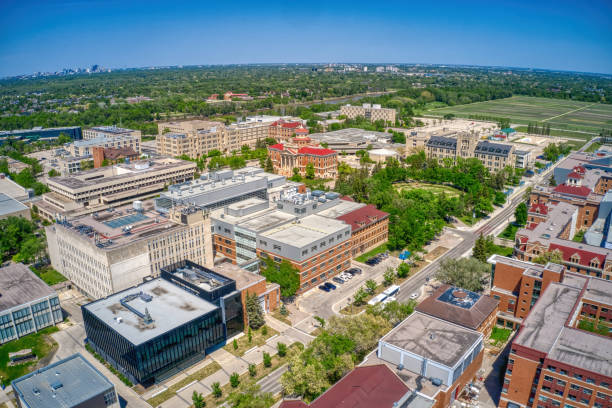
column 369, row 228
column 371, row 112
column 285, row 158
column 282, row 130
column 112, row 155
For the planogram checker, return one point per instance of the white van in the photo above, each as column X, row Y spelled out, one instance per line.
column 392, row 290
column 377, row 299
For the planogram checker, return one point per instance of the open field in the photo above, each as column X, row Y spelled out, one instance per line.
column 434, row 188
column 560, row 113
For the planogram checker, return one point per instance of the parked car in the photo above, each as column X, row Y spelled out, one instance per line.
column 330, row 285
column 354, row 271
column 346, row 275
column 324, row 288
column 414, row 296
column 337, row 279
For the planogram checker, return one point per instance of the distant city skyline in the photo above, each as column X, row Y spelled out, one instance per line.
column 61, row 34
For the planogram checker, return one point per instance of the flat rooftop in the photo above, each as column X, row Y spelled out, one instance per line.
column 266, row 220
column 309, row 229
column 243, row 278
column 350, row 135
column 342, row 207
column 66, row 383
column 583, row 349
column 432, row 338
column 170, row 307
column 9, row 205
column 19, row 285
column 12, row 189
column 112, row 129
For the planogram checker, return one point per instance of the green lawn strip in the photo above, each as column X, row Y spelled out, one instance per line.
column 367, row 255
column 509, row 232
column 209, row 370
column 579, row 235
column 49, row 275
column 41, row 344
column 593, row 147
column 259, row 339
column 500, row 336
column 502, row 250
column 278, row 316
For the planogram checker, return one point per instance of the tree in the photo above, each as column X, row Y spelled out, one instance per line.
column 389, row 276
column 403, row 270
column 284, row 274
column 371, row 285
column 310, row 171
column 282, row 349
column 254, row 311
column 520, row 214
column 234, row 380
column 360, row 296
column 198, row 400
column 249, row 395
column 393, row 312
column 554, row 256
column 252, row 370
column 480, row 251
column 269, row 166
column 283, row 310
column 466, row 273
column 267, row 360
column 296, row 175
column 216, row 389
column 449, row 116
column 54, row 173
column 250, row 335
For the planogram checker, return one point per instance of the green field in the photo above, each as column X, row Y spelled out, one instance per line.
column 560, row 113
column 434, row 188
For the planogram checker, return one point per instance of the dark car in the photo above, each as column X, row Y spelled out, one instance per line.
column 330, row 285
column 324, row 288
column 354, row 271
column 338, row 280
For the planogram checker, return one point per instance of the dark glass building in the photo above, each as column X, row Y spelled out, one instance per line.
column 155, row 329
column 212, row 287
column 29, row 135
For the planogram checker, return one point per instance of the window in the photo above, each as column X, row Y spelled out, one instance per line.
column 575, row 387
column 548, row 378
column 578, row 377
column 587, row 391
column 561, row 383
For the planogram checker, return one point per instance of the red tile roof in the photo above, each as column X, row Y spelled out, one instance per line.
column 293, row 404
column 585, row 256
column 364, row 387
column 363, row 217
column 579, row 191
column 278, row 146
column 575, row 175
column 284, row 124
column 347, row 198
column 318, row 151
column 301, row 130
column 540, row 208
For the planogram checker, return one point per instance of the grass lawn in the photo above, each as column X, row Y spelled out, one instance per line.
column 502, row 250
column 49, row 275
column 561, row 133
column 171, row 391
column 367, row 255
column 259, row 339
column 500, row 336
column 579, row 235
column 434, row 188
column 593, row 147
column 510, row 231
column 278, row 316
column 40, row 343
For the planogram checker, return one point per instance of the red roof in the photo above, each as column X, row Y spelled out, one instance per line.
column 580, row 169
column 278, row 146
column 362, row 217
column 318, row 151
column 284, row 124
column 585, row 256
column 347, row 198
column 364, row 387
column 301, row 130
column 574, row 175
column 531, row 225
column 293, row 404
column 579, row 191
column 539, row 208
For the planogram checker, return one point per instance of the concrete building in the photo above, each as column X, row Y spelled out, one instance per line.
column 462, row 307
column 148, row 332
column 562, row 354
column 431, row 355
column 352, row 139
column 9, row 207
column 99, row 189
column 368, row 111
column 67, row 164
column 69, row 383
column 39, row 133
column 381, row 155
column 287, row 157
column 111, row 132
column 27, row 304
column 106, row 252
column 119, row 140
column 14, row 190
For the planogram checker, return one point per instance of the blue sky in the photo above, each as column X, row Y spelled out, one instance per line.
column 53, row 34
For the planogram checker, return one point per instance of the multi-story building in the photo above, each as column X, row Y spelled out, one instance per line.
column 287, row 157
column 368, row 111
column 27, row 304
column 39, row 133
column 562, row 354
column 112, row 155
column 99, row 189
column 436, row 358
column 14, row 190
column 112, row 133
column 9, row 207
column 282, row 130
column 351, row 140
column 85, row 147
column 147, row 331
column 369, row 228
column 106, row 252
column 69, row 383
column 462, row 307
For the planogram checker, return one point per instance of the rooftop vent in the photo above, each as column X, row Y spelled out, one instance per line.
column 56, row 385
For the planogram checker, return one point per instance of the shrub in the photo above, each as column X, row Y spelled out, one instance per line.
column 235, row 343
column 234, row 380
column 252, row 370
column 264, row 330
column 216, row 389
column 267, row 360
column 282, row 349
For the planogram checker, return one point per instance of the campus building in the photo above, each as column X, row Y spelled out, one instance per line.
column 154, row 330
column 99, row 189
column 84, row 148
column 437, row 358
column 282, row 130
column 39, row 133
column 287, row 157
column 351, row 140
column 69, row 383
column 106, row 252
column 112, row 133
column 103, row 156
column 27, row 304
column 371, row 112
column 562, row 354
column 9, row 207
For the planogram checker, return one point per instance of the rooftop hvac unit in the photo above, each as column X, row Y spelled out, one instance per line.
column 137, row 206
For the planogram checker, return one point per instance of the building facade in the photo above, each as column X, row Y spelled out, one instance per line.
column 112, row 155
column 30, row 135
column 368, row 111
column 112, row 133
column 286, row 158
column 27, row 304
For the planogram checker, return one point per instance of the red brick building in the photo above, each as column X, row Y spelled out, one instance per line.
column 112, row 155
column 285, row 158
column 369, row 226
column 284, row 131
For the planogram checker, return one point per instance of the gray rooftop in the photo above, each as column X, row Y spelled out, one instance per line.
column 495, row 149
column 350, row 135
column 19, row 285
column 64, row 384
column 305, row 231
column 341, row 208
column 9, row 205
column 583, row 349
column 12, row 189
column 443, row 142
column 432, row 338
column 599, row 290
column 170, row 307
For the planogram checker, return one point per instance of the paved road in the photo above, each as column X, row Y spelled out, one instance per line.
column 271, row 382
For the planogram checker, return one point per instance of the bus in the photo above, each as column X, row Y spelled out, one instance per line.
column 391, row 290
column 377, row 299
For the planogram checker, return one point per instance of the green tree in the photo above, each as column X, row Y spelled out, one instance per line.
column 466, row 273
column 269, row 166
column 216, row 389
column 249, row 395
column 252, row 370
column 520, row 214
column 389, row 276
column 360, row 296
column 480, row 250
column 198, row 400
column 284, row 274
column 235, row 343
column 282, row 349
column 283, row 310
column 371, row 285
column 254, row 311
column 267, row 360
column 393, row 312
column 403, row 270
column 234, row 380
column 54, row 173
column 554, row 256
column 310, row 171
